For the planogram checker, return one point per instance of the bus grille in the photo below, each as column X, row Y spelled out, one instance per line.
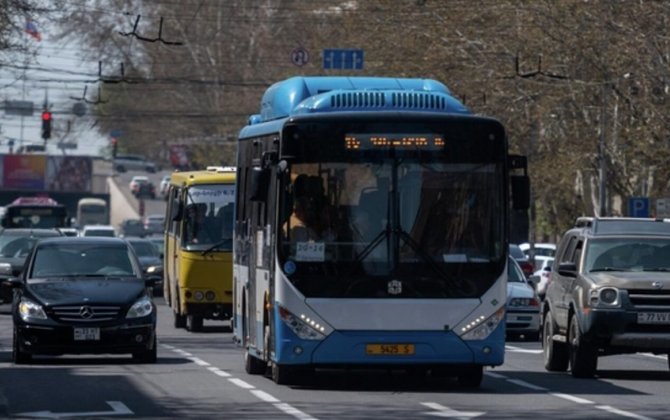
column 86, row 313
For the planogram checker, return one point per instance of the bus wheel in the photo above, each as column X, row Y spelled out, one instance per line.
column 253, row 365
column 179, row 320
column 471, row 377
column 193, row 323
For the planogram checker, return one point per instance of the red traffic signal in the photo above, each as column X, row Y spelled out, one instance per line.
column 46, row 125
column 46, row 116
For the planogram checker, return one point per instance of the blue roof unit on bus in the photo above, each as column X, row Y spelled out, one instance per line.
column 306, row 95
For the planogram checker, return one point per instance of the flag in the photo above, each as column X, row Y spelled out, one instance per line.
column 31, row 30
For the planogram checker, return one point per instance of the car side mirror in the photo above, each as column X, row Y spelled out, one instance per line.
column 11, row 282
column 567, row 269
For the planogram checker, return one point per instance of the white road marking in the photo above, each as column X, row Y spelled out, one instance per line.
column 198, row 361
column 514, row 349
column 623, row 413
column 442, row 411
column 264, row 396
column 572, row 398
column 495, row 375
column 527, row 385
column 218, row 371
column 119, row 409
column 242, row 384
column 288, row 409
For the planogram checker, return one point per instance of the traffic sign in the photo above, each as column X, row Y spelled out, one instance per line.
column 299, row 56
column 663, row 208
column 638, row 207
column 344, row 59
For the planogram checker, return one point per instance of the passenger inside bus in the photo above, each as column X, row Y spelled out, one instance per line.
column 196, row 229
column 300, row 223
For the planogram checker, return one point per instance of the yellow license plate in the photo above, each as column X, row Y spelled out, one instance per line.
column 390, row 349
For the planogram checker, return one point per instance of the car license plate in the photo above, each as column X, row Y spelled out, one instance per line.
column 389, row 349
column 86, row 334
column 653, row 317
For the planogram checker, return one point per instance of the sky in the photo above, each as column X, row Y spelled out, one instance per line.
column 55, row 71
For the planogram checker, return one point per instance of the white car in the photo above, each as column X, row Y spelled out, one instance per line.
column 542, row 249
column 98, row 230
column 523, row 305
column 542, row 273
column 165, row 183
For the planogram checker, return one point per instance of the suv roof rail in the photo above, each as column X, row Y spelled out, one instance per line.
column 584, row 221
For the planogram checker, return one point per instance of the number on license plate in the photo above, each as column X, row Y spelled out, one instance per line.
column 86, row 334
column 653, row 317
column 390, row 349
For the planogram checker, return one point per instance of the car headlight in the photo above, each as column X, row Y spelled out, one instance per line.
column 29, row 310
column 480, row 328
column 142, row 307
column 524, row 302
column 6, row 269
column 154, row 269
column 605, row 297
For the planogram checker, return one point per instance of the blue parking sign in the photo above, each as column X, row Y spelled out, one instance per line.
column 638, row 207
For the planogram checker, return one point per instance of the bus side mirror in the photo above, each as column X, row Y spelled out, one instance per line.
column 260, row 181
column 520, row 192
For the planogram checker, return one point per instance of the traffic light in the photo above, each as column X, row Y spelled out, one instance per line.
column 115, row 143
column 46, row 125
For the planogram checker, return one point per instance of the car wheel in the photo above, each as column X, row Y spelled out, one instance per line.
column 471, row 377
column 19, row 357
column 193, row 323
column 555, row 353
column 148, row 356
column 583, row 356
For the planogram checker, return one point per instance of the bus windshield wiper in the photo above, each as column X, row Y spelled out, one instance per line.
column 216, row 245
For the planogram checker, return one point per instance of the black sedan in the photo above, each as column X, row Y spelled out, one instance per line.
column 151, row 260
column 83, row 295
column 15, row 245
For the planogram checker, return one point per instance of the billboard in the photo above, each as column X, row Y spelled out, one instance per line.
column 46, row 173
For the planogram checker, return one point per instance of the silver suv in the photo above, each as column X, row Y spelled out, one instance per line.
column 609, row 293
column 123, row 163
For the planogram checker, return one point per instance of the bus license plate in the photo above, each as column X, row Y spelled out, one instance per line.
column 86, row 334
column 389, row 349
column 653, row 318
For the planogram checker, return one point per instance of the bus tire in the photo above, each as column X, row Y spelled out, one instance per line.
column 179, row 320
column 471, row 376
column 555, row 353
column 193, row 323
column 253, row 365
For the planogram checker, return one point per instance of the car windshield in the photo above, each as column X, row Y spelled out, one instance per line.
column 83, row 260
column 144, row 249
column 13, row 246
column 628, row 254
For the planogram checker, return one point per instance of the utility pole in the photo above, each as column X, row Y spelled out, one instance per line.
column 602, row 154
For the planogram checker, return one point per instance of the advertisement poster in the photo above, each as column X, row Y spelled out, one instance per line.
column 23, row 172
column 69, row 173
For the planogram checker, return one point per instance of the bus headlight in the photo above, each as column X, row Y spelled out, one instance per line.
column 306, row 329
column 480, row 327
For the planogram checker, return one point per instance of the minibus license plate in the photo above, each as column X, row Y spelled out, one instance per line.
column 390, row 349
column 86, row 334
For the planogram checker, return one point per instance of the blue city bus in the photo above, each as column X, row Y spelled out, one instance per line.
column 371, row 230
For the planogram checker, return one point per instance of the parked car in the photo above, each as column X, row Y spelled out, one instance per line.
column 132, row 227
column 150, row 259
column 541, row 249
column 123, row 163
column 523, row 304
column 541, row 276
column 98, row 230
column 608, row 293
column 164, row 185
column 83, row 296
column 522, row 259
column 154, row 223
column 15, row 245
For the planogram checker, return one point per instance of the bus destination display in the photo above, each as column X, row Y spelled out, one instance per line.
column 370, row 141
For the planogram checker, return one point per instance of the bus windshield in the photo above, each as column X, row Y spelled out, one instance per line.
column 431, row 217
column 208, row 219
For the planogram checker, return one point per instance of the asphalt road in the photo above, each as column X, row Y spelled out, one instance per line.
column 201, row 375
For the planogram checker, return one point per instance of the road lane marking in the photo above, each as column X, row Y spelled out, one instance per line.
column 264, row 396
column 242, row 384
column 623, row 413
column 527, row 385
column 495, row 375
column 572, row 398
column 514, row 349
column 218, row 371
column 119, row 409
column 443, row 411
column 260, row 394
